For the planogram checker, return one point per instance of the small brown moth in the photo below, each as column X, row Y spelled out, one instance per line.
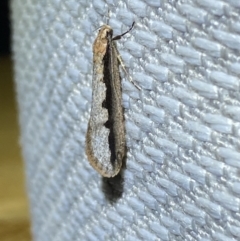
column 105, row 139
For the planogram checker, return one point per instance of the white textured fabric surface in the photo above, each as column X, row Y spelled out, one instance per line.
column 182, row 176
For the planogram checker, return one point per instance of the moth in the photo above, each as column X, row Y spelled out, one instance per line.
column 105, row 138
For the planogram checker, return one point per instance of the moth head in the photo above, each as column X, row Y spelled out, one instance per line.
column 101, row 42
column 105, row 32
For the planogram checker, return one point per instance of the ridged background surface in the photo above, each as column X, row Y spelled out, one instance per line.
column 182, row 176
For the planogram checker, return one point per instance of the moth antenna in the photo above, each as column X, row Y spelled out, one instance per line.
column 120, row 36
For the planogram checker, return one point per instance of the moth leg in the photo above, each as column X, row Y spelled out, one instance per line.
column 124, row 69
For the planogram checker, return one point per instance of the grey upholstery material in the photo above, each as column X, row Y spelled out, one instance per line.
column 182, row 174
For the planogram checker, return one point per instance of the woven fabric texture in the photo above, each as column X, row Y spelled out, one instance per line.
column 182, row 174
